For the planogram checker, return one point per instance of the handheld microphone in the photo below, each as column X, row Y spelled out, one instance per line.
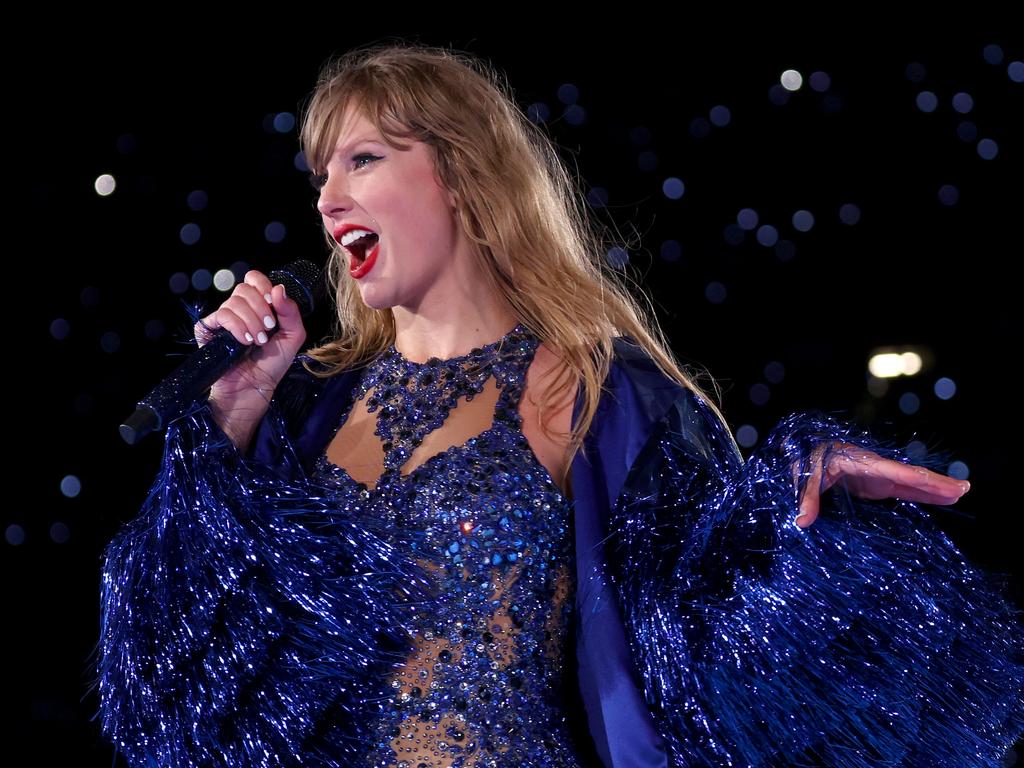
column 301, row 280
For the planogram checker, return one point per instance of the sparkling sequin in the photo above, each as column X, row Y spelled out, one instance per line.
column 486, row 519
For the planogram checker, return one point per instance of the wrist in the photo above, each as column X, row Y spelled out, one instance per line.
column 247, row 394
column 238, row 414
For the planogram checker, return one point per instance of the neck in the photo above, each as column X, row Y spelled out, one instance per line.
column 418, row 338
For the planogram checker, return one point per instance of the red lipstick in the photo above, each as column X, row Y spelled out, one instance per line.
column 360, row 269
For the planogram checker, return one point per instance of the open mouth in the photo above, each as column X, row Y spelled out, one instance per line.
column 360, row 248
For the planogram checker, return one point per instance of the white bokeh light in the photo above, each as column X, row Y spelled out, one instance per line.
column 791, row 80
column 224, row 280
column 105, row 185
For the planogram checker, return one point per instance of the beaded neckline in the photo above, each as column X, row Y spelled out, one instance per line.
column 477, row 353
column 411, row 399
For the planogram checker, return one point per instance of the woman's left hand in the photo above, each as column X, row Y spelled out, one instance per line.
column 866, row 474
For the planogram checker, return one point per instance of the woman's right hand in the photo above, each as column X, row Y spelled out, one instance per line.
column 243, row 313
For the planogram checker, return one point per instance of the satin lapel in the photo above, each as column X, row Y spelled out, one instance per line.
column 636, row 397
column 323, row 421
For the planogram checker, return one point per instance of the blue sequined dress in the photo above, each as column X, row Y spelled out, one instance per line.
column 490, row 525
column 267, row 609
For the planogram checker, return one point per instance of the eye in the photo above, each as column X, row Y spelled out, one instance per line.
column 317, row 180
column 357, row 158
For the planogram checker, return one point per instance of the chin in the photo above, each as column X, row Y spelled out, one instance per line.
column 374, row 300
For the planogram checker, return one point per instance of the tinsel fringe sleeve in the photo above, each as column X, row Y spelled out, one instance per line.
column 863, row 640
column 245, row 621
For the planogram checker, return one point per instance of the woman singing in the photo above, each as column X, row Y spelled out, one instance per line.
column 492, row 522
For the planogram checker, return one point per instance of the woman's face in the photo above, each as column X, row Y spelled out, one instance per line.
column 423, row 255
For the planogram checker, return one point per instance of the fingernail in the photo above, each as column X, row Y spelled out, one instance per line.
column 966, row 486
column 248, row 337
column 262, row 337
column 268, row 297
column 799, row 516
column 268, row 321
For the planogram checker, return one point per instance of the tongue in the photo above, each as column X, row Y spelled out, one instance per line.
column 360, row 248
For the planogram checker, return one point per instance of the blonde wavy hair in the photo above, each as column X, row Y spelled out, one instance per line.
column 522, row 209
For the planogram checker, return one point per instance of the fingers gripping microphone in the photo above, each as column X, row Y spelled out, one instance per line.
column 301, row 280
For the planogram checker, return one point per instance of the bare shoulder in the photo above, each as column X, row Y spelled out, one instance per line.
column 551, row 450
column 542, row 376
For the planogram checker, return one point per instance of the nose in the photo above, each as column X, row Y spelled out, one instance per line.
column 334, row 198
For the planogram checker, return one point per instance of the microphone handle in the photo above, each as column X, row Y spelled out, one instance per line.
column 209, row 362
column 189, row 380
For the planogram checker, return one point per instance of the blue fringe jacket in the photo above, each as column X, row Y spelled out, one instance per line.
column 246, row 622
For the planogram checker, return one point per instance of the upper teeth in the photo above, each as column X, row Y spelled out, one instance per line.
column 354, row 234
